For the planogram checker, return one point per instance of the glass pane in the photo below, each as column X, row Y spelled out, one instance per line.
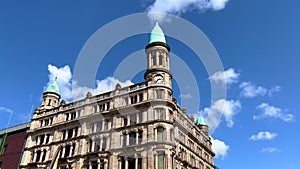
column 124, row 140
column 160, row 161
column 132, row 138
column 139, row 163
column 160, row 134
column 132, row 119
column 97, row 145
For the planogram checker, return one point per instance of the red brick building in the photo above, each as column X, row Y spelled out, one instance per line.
column 13, row 146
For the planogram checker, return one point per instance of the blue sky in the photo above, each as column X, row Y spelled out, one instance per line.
column 257, row 42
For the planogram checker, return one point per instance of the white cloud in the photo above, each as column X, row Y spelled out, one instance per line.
column 218, row 4
column 272, row 112
column 70, row 90
column 64, row 80
column 220, row 148
column 270, row 150
column 178, row 7
column 274, row 89
column 102, row 86
column 227, row 77
column 263, row 135
column 227, row 108
column 250, row 90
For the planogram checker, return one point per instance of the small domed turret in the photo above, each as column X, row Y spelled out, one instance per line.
column 200, row 122
column 51, row 96
column 53, row 88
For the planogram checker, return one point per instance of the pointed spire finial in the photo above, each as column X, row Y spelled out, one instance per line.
column 56, row 77
column 157, row 34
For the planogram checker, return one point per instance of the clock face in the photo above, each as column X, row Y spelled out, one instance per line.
column 158, row 79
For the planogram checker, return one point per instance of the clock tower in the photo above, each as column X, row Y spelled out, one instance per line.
column 158, row 65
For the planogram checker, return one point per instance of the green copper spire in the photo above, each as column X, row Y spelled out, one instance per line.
column 157, row 34
column 200, row 121
column 53, row 88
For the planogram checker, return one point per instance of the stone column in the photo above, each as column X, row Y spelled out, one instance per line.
column 120, row 164
column 169, row 160
column 90, row 165
column 41, row 156
column 38, row 140
column 98, row 162
column 126, row 164
column 93, row 145
column 100, row 146
column 167, row 113
column 63, row 152
column 155, row 135
column 106, row 165
column 34, row 157
column 136, row 163
column 71, row 149
column 66, row 135
column 47, row 155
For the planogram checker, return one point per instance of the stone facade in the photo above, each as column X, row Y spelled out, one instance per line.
column 135, row 127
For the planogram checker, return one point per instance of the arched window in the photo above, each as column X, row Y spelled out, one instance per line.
column 160, row 164
column 73, row 149
column 104, row 143
column 44, row 155
column 160, row 59
column 159, row 113
column 47, row 138
column 90, row 144
column 132, row 138
column 38, row 156
column 124, row 138
column 97, row 145
column 160, row 134
column 140, row 137
column 153, row 56
column 70, row 133
column 67, row 150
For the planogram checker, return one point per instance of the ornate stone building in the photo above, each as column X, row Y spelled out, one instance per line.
column 135, row 127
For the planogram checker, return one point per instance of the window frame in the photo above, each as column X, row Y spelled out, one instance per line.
column 160, row 134
column 158, row 154
column 159, row 113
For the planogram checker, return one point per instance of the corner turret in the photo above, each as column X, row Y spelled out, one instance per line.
column 200, row 122
column 51, row 96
